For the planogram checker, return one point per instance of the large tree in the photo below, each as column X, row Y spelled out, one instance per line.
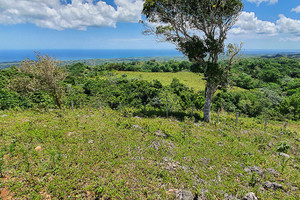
column 198, row 28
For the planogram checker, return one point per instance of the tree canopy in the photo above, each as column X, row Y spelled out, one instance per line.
column 199, row 29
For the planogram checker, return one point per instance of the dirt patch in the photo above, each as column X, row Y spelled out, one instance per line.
column 5, row 194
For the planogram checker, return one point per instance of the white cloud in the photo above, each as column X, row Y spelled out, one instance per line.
column 258, row 2
column 249, row 23
column 297, row 10
column 79, row 14
column 288, row 25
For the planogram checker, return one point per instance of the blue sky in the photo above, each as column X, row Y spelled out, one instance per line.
column 113, row 24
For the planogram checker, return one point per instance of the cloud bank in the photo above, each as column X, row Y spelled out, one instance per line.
column 66, row 14
column 249, row 24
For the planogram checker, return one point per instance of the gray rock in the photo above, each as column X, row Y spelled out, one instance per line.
column 135, row 126
column 159, row 133
column 229, row 197
column 273, row 172
column 270, row 185
column 294, row 188
column 3, row 115
column 220, row 144
column 205, row 161
column 250, row 196
column 285, row 155
column 91, row 141
column 254, row 169
column 201, row 196
column 184, row 195
column 155, row 145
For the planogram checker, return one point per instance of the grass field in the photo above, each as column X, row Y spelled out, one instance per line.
column 190, row 79
column 92, row 154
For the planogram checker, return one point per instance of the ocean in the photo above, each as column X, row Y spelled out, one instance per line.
column 80, row 54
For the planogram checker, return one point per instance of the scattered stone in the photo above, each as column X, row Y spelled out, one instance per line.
column 205, row 161
column 70, row 134
column 159, row 133
column 135, row 126
column 221, row 144
column 297, row 139
column 171, row 165
column 255, row 169
column 250, row 196
column 285, row 155
column 155, row 145
column 261, row 189
column 274, row 186
column 229, row 197
column 91, row 141
column 4, row 115
column 274, row 136
column 294, row 188
column 184, row 195
column 273, row 172
column 38, row 148
column 171, row 145
column 201, row 196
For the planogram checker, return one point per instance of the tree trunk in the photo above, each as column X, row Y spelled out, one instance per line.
column 209, row 92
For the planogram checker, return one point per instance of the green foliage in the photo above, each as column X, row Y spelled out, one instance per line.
column 283, row 146
column 92, row 153
column 87, row 85
column 290, row 106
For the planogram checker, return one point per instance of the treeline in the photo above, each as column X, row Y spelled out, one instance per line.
column 138, row 66
column 272, row 88
column 269, row 86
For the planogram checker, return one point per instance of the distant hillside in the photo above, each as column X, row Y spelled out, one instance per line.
column 100, row 61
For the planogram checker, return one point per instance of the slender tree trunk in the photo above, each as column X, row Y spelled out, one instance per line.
column 209, row 92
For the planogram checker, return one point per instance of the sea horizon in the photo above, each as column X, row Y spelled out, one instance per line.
column 17, row 55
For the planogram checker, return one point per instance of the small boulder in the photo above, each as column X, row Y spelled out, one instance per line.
column 273, row 172
column 270, row 185
column 184, row 195
column 229, row 197
column 135, row 126
column 285, row 155
column 159, row 133
column 250, row 196
column 256, row 169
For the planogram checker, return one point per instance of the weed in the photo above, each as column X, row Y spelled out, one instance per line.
column 284, row 162
column 1, row 164
column 283, row 147
column 254, row 179
column 12, row 147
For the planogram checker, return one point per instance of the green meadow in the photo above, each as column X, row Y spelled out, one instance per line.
column 104, row 154
column 192, row 80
